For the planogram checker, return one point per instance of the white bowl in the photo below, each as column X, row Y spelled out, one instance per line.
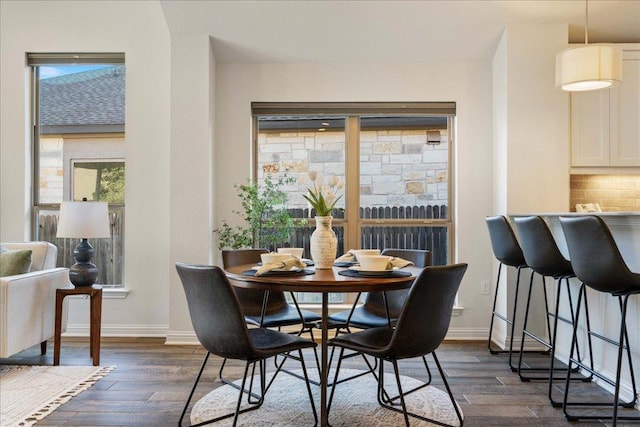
column 296, row 252
column 273, row 257
column 374, row 262
column 359, row 252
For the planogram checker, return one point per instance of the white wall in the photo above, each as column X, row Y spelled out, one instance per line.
column 192, row 94
column 180, row 173
column 466, row 83
column 138, row 29
column 537, row 121
column 531, row 138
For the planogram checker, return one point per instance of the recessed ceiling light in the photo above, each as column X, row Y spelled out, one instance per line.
column 321, row 130
column 325, row 124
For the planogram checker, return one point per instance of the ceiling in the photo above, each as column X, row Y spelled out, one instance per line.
column 386, row 31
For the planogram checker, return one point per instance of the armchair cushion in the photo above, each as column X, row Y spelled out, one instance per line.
column 15, row 262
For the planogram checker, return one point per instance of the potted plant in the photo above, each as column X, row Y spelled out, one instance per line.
column 267, row 222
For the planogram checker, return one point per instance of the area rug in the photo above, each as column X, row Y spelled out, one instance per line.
column 30, row 393
column 354, row 404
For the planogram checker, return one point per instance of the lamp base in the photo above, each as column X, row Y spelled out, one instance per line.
column 83, row 272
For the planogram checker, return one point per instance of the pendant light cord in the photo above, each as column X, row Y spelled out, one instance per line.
column 586, row 22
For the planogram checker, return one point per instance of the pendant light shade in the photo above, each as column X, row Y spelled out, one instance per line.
column 589, row 67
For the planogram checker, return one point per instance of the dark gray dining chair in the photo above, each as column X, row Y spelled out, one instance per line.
column 421, row 328
column 599, row 265
column 381, row 308
column 278, row 312
column 220, row 326
column 378, row 308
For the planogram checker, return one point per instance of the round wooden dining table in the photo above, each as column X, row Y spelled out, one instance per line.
column 323, row 281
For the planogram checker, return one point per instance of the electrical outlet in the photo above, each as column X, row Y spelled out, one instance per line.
column 484, row 287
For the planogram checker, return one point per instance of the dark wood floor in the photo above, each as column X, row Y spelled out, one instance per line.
column 152, row 381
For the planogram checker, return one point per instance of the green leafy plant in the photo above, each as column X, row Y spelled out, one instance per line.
column 323, row 197
column 267, row 221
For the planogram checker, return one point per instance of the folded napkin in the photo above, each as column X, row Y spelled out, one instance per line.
column 348, row 257
column 287, row 264
column 398, row 263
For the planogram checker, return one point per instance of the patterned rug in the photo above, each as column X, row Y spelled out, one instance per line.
column 30, row 393
column 354, row 404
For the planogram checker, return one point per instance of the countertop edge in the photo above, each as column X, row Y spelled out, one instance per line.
column 603, row 214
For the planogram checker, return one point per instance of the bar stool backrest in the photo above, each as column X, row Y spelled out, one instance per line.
column 595, row 256
column 540, row 249
column 504, row 243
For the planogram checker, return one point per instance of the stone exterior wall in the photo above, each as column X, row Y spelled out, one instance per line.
column 51, row 169
column 397, row 167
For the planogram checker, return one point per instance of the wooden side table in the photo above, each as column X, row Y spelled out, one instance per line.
column 95, row 296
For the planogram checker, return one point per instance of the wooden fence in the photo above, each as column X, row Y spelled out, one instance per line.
column 430, row 237
column 109, row 253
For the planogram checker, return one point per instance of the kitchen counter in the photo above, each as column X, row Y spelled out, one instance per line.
column 602, row 214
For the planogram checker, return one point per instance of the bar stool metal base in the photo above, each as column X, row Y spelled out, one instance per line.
column 623, row 347
column 549, row 373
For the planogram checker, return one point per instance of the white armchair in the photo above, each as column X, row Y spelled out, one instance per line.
column 27, row 301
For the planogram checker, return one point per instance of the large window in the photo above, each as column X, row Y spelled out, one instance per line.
column 394, row 158
column 78, row 148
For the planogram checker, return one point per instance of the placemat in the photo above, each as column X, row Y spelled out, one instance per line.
column 394, row 273
column 301, row 272
column 344, row 263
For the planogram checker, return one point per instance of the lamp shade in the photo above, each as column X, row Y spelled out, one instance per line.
column 84, row 220
column 588, row 67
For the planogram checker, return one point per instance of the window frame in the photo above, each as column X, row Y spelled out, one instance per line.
column 352, row 112
column 34, row 62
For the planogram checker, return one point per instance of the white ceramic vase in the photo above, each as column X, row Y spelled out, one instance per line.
column 324, row 243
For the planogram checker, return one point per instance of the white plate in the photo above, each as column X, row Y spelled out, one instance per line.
column 371, row 272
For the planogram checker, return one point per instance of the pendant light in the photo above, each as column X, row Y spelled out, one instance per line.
column 588, row 67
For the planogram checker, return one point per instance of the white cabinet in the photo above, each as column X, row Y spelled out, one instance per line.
column 605, row 124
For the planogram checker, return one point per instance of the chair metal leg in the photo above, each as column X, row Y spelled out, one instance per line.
column 623, row 347
column 231, row 383
column 193, row 389
column 402, row 394
column 335, row 381
column 547, row 373
column 390, row 401
column 238, row 411
column 574, row 321
column 308, row 384
column 510, row 322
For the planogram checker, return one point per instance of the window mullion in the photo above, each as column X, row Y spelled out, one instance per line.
column 352, row 189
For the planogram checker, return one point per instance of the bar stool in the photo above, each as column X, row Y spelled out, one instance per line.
column 599, row 265
column 544, row 258
column 508, row 252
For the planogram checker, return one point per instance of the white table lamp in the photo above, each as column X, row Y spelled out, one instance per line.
column 83, row 220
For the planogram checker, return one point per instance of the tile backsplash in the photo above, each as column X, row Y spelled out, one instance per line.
column 614, row 193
